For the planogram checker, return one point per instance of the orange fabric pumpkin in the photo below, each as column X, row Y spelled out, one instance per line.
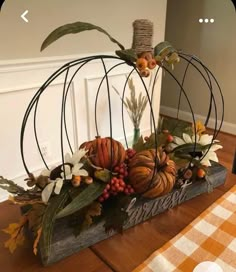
column 102, row 150
column 146, row 179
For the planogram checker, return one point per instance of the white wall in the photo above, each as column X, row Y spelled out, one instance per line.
column 21, row 78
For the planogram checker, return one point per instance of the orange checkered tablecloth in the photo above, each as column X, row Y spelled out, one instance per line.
column 210, row 237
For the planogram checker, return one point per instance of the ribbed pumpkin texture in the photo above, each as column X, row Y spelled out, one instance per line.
column 105, row 152
column 142, row 170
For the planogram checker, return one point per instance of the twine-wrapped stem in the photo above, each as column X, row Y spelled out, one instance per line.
column 142, row 36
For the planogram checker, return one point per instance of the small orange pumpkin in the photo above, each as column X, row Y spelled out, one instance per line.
column 105, row 152
column 146, row 179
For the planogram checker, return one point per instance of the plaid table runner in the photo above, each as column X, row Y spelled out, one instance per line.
column 210, row 237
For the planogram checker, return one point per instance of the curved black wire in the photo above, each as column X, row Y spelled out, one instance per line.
column 152, row 93
column 67, row 91
column 36, row 137
column 41, row 90
column 213, row 99
column 180, row 93
column 30, row 107
column 66, row 131
column 109, row 109
column 122, row 106
column 97, row 94
column 154, row 127
column 33, row 103
column 215, row 133
column 222, row 99
column 35, row 100
column 216, row 82
column 190, row 107
column 62, row 119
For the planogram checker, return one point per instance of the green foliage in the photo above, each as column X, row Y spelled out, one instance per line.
column 151, row 142
column 186, row 151
column 56, row 203
column 86, row 197
column 180, row 161
column 85, row 217
column 10, row 186
column 115, row 213
column 103, row 175
column 187, row 148
column 139, row 146
column 35, row 216
column 127, row 55
column 74, row 28
column 175, row 127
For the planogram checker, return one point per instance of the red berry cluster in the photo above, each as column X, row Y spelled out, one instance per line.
column 130, row 153
column 121, row 170
column 116, row 186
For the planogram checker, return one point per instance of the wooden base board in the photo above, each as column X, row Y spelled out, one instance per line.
column 64, row 243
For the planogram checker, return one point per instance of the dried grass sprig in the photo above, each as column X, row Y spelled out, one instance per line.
column 135, row 104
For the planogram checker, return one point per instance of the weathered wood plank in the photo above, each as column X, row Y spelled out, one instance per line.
column 65, row 243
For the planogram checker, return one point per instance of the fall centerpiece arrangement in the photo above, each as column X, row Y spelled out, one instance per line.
column 102, row 173
column 99, row 184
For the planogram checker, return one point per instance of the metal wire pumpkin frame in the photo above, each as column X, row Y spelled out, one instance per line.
column 191, row 60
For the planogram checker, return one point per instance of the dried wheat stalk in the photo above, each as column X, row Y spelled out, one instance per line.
column 135, row 105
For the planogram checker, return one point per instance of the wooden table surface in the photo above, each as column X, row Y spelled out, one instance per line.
column 120, row 252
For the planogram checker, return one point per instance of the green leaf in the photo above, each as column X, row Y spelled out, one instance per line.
column 160, row 140
column 175, row 127
column 86, row 216
column 189, row 148
column 139, row 146
column 115, row 213
column 127, row 55
column 55, row 205
column 73, row 29
column 150, row 143
column 10, row 186
column 181, row 161
column 86, row 197
column 103, row 175
column 35, row 216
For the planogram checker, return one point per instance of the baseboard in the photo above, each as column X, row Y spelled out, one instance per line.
column 186, row 116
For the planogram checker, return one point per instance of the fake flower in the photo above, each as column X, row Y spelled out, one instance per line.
column 53, row 185
column 76, row 157
column 200, row 128
column 210, row 155
column 204, row 140
column 74, row 160
column 72, row 167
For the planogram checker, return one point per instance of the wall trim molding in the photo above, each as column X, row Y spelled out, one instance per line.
column 23, row 68
column 15, row 65
column 89, row 78
column 186, row 116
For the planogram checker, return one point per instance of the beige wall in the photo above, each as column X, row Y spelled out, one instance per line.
column 214, row 43
column 21, row 40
